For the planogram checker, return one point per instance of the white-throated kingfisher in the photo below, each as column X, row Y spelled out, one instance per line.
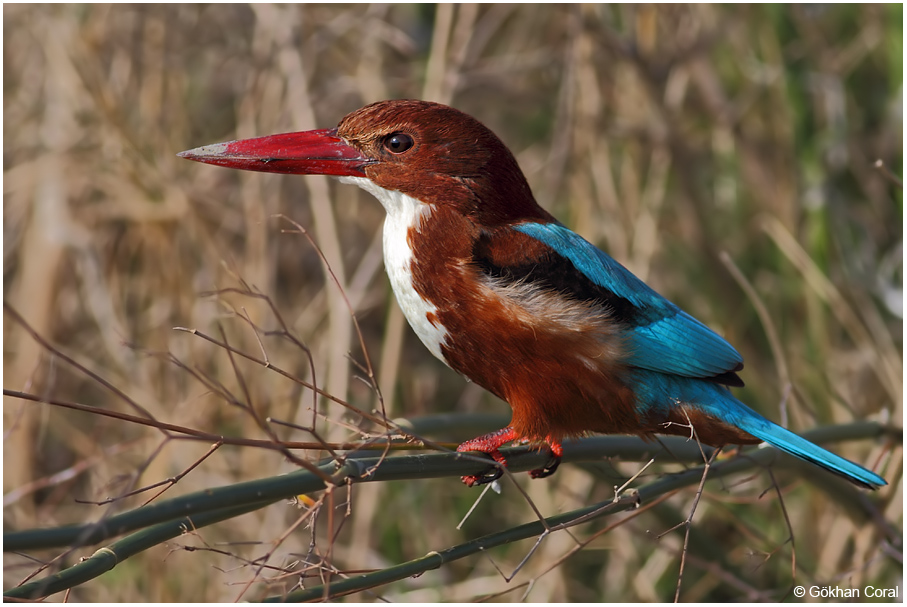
column 502, row 293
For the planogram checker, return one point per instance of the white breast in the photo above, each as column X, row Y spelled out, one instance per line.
column 404, row 212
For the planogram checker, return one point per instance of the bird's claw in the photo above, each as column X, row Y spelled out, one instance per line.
column 549, row 469
column 490, row 475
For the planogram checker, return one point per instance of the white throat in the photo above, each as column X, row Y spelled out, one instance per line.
column 404, row 212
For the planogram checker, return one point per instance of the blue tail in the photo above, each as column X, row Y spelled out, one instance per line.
column 656, row 392
column 732, row 410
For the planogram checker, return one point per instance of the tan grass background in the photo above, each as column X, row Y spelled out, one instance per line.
column 668, row 135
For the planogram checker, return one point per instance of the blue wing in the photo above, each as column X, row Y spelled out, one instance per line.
column 662, row 337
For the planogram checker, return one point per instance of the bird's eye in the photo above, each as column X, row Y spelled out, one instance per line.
column 398, row 143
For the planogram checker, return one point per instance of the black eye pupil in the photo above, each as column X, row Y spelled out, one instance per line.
column 398, row 143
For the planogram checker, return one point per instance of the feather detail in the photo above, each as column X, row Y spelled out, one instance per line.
column 661, row 336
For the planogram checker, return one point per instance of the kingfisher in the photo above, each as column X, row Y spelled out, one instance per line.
column 504, row 294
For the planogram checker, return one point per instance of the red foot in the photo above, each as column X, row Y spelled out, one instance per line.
column 557, row 451
column 489, row 444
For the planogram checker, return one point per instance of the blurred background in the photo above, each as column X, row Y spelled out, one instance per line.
column 744, row 160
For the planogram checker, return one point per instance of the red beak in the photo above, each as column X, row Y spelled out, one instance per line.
column 319, row 152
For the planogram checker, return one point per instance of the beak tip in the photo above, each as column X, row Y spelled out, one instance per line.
column 205, row 151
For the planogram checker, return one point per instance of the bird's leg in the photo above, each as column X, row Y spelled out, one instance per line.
column 488, row 444
column 557, row 451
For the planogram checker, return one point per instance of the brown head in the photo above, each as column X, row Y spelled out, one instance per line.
column 429, row 151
